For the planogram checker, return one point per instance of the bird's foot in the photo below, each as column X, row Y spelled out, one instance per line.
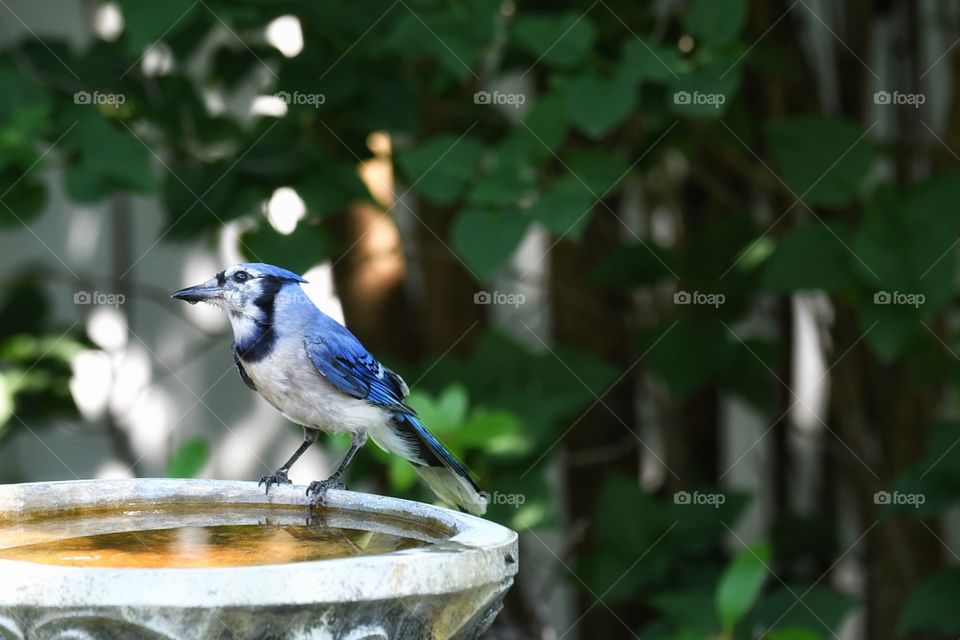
column 277, row 477
column 317, row 490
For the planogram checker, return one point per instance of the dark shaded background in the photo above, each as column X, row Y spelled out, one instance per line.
column 676, row 279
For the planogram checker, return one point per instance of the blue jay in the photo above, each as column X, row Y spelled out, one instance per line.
column 318, row 375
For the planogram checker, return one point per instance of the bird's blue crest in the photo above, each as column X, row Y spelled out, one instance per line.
column 271, row 270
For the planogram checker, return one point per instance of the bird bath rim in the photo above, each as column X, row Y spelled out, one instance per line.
column 472, row 553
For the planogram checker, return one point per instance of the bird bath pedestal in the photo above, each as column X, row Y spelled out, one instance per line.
column 184, row 559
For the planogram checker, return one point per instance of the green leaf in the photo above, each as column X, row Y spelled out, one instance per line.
column 401, row 473
column 528, row 500
column 689, row 355
column 23, row 194
column 452, row 404
column 189, row 459
column 651, row 61
column 486, row 239
column 620, row 578
column 599, row 104
column 700, row 523
column 24, row 114
column 341, row 188
column 824, row 162
column 822, row 611
column 933, row 605
column 23, row 307
column 756, row 253
column 84, row 184
column 740, row 585
column 810, row 257
column 690, row 610
column 630, row 530
column 545, row 126
column 205, row 196
column 441, row 168
column 633, row 265
column 706, row 92
column 509, row 181
column 565, row 208
column 543, row 395
column 907, row 248
column 21, row 91
column 889, row 329
column 7, row 400
column 147, row 22
column 717, row 21
column 493, row 431
column 111, row 151
column 562, row 40
column 455, row 39
column 626, row 535
column 935, row 198
column 496, row 432
column 306, row 247
column 36, row 372
column 937, row 476
column 906, row 259
column 713, row 247
column 602, row 172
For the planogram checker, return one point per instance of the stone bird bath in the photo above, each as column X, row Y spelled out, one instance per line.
column 182, row 559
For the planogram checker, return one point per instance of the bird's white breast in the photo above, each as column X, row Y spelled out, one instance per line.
column 287, row 379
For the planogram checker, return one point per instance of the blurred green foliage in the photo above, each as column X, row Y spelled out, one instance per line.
column 34, row 359
column 601, row 109
column 189, row 458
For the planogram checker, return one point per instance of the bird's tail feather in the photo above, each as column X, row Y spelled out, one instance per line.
column 443, row 473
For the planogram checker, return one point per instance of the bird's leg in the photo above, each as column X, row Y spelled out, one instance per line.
column 280, row 475
column 318, row 488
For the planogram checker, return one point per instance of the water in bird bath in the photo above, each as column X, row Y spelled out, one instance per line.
column 191, row 537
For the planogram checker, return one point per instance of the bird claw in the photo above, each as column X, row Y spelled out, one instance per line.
column 277, row 477
column 317, row 490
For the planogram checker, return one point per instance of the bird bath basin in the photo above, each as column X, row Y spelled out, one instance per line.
column 181, row 559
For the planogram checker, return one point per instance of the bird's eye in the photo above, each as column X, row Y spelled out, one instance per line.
column 241, row 276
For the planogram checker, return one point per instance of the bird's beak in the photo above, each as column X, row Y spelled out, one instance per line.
column 200, row 293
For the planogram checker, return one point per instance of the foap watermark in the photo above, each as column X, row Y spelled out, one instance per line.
column 514, row 500
column 99, row 298
column 312, row 99
column 897, row 498
column 697, row 98
column 498, row 297
column 290, row 295
column 896, row 297
column 98, row 98
column 898, row 98
column 697, row 498
column 497, row 97
column 697, row 297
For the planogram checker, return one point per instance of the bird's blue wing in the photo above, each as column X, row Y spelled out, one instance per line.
column 351, row 368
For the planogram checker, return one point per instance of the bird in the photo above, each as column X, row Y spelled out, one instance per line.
column 316, row 373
